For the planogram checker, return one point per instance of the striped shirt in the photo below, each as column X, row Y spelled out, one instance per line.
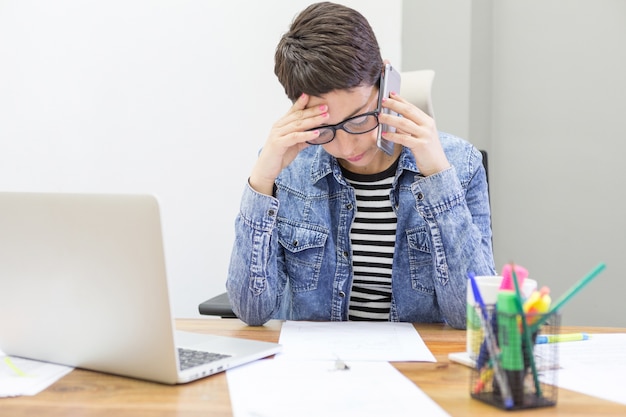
column 373, row 237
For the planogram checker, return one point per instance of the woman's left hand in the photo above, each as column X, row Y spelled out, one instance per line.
column 417, row 131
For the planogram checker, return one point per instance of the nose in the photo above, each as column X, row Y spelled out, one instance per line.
column 345, row 142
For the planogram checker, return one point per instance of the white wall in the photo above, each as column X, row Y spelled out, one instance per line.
column 541, row 85
column 172, row 98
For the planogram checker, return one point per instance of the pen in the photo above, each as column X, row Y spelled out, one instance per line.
column 565, row 337
column 492, row 346
column 568, row 295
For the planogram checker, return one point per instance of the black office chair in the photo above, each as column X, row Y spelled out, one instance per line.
column 217, row 306
column 416, row 87
column 486, row 165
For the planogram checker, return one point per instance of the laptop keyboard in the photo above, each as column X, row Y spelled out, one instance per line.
column 189, row 358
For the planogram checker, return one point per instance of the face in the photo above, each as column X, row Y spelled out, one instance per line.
column 357, row 153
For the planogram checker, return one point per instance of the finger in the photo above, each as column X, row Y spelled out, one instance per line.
column 296, row 110
column 291, row 144
column 301, row 102
column 408, row 110
column 304, row 119
column 409, row 125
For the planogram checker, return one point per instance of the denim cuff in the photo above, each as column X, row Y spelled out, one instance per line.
column 439, row 192
column 258, row 210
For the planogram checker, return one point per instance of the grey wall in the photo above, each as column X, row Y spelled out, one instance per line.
column 540, row 84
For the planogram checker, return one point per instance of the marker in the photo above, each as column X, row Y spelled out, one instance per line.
column 507, row 276
column 511, row 343
column 492, row 346
column 526, row 341
column 538, row 303
column 485, row 376
column 10, row 364
column 565, row 337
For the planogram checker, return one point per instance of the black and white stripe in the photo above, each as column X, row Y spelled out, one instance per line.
column 373, row 236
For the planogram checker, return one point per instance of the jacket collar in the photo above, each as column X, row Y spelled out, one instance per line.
column 324, row 164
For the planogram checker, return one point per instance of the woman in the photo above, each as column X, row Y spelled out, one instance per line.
column 332, row 228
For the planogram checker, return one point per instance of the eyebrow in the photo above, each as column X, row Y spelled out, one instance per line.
column 357, row 111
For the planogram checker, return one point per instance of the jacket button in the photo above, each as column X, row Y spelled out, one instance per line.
column 349, row 206
column 345, row 254
column 271, row 212
column 420, row 196
column 342, row 294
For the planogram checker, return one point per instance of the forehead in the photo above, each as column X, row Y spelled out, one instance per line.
column 345, row 103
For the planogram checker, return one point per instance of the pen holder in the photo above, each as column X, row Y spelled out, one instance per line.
column 529, row 371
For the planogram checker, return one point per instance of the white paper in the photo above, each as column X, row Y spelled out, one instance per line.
column 353, row 340
column 19, row 376
column 272, row 388
column 594, row 367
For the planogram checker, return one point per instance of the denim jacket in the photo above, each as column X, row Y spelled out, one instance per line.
column 292, row 259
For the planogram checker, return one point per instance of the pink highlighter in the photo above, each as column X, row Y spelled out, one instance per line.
column 507, row 277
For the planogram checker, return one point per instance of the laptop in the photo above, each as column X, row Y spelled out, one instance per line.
column 83, row 283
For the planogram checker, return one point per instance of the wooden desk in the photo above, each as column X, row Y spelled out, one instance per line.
column 86, row 393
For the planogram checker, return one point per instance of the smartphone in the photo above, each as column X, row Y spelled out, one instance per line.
column 389, row 81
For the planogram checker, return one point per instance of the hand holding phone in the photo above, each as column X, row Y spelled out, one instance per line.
column 389, row 81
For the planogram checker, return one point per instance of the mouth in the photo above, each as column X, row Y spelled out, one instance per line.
column 356, row 158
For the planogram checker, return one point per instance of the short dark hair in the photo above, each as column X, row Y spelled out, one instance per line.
column 328, row 47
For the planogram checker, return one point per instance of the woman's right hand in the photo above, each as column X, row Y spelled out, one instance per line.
column 287, row 137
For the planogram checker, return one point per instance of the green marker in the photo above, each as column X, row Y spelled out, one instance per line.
column 510, row 340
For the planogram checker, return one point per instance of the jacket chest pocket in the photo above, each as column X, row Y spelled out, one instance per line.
column 420, row 260
column 304, row 252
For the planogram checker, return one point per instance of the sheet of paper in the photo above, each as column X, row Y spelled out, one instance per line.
column 19, row 376
column 272, row 388
column 594, row 367
column 353, row 340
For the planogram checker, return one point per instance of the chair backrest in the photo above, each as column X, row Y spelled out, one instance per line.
column 416, row 87
column 485, row 164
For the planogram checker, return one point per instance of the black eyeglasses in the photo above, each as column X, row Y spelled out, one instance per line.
column 355, row 125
